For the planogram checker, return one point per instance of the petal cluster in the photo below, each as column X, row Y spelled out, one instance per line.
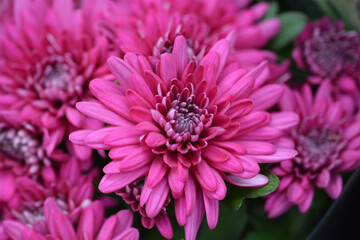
column 327, row 141
column 46, row 63
column 182, row 129
column 328, row 52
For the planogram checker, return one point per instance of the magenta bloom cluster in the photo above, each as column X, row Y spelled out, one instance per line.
column 179, row 100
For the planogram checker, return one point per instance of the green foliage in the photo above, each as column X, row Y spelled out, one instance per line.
column 292, row 23
column 236, row 195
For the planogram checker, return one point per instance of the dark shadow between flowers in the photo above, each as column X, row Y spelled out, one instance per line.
column 342, row 220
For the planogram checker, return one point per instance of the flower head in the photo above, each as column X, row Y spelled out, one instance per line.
column 154, row 26
column 327, row 143
column 326, row 50
column 182, row 129
column 71, row 190
column 26, row 150
column 47, row 61
column 91, row 224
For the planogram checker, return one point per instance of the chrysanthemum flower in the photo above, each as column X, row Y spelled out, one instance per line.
column 91, row 225
column 326, row 51
column 71, row 190
column 155, row 25
column 25, row 150
column 184, row 128
column 328, row 143
column 49, row 52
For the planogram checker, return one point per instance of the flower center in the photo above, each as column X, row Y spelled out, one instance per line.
column 56, row 79
column 32, row 212
column 185, row 119
column 318, row 149
column 19, row 145
column 132, row 192
column 331, row 52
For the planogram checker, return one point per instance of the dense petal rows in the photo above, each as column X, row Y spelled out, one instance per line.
column 183, row 129
column 327, row 51
column 46, row 63
column 181, row 97
column 155, row 25
column 327, row 140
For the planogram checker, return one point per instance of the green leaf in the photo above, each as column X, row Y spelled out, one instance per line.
column 292, row 23
column 236, row 195
column 272, row 11
column 262, row 191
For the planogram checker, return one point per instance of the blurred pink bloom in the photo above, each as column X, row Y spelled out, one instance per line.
column 25, row 150
column 58, row 226
column 184, row 128
column 71, row 190
column 327, row 51
column 328, row 142
column 155, row 24
column 49, row 53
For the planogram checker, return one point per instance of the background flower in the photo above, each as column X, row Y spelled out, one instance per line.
column 327, row 140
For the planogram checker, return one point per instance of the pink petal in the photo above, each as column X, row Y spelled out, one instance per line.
column 190, row 194
column 323, row 178
column 128, row 234
column 258, row 148
column 139, row 114
column 64, row 9
column 155, row 139
column 295, row 191
column 7, row 190
column 136, row 160
column 167, row 68
column 13, row 229
column 334, row 187
column 121, row 70
column 180, row 54
column 175, row 184
column 306, row 203
column 163, row 223
column 123, row 136
column 96, row 139
column 97, row 111
column 157, row 171
column 157, row 198
column 267, row 96
column 86, row 225
column 257, row 181
column 180, row 210
column 115, row 103
column 194, row 220
column 112, row 182
column 98, row 86
column 222, row 48
column 280, row 155
column 212, row 211
column 205, row 176
column 284, row 120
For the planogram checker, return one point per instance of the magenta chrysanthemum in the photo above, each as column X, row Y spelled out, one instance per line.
column 90, row 224
column 184, row 128
column 25, row 150
column 50, row 50
column 327, row 51
column 327, row 141
column 154, row 25
column 71, row 190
